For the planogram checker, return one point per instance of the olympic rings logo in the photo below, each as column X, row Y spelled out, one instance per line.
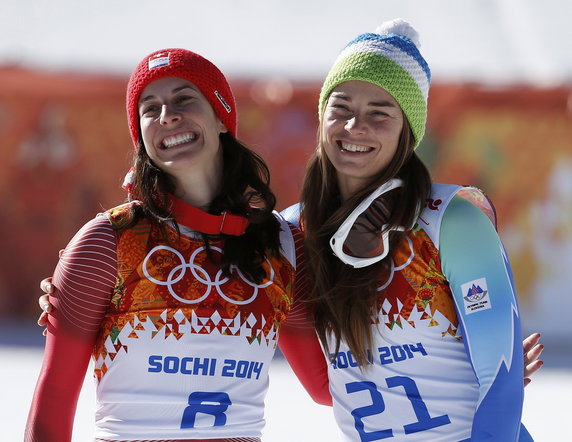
column 201, row 275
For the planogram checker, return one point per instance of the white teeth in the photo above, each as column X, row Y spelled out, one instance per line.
column 178, row 139
column 355, row 148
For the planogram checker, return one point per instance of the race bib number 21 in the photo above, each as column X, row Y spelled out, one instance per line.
column 377, row 406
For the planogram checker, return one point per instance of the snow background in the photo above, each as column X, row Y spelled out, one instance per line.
column 291, row 416
column 493, row 41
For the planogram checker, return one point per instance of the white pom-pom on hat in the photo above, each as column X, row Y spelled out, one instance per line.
column 400, row 27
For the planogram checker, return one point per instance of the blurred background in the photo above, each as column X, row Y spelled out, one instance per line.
column 500, row 118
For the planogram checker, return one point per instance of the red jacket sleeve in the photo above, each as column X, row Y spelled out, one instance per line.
column 304, row 355
column 84, row 279
column 298, row 341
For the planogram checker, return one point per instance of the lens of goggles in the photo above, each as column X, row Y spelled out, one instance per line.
column 363, row 238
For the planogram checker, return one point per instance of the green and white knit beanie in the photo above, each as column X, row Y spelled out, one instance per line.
column 390, row 59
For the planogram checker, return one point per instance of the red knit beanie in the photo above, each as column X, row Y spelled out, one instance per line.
column 190, row 66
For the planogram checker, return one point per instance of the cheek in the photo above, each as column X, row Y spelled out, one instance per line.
column 325, row 140
column 144, row 130
column 328, row 129
column 397, row 134
column 146, row 138
column 389, row 151
column 146, row 134
column 397, row 129
column 150, row 152
column 326, row 151
column 389, row 135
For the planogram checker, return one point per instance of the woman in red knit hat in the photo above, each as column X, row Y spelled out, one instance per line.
column 179, row 294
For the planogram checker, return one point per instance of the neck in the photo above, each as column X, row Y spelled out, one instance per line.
column 349, row 186
column 199, row 195
column 197, row 189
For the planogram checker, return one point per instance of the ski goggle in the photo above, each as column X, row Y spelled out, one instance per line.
column 363, row 238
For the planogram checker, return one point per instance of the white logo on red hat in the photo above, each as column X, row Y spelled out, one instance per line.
column 223, row 102
column 158, row 60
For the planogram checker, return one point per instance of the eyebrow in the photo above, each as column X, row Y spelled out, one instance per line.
column 174, row 91
column 385, row 103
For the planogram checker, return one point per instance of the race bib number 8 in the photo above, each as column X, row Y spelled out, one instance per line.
column 206, row 403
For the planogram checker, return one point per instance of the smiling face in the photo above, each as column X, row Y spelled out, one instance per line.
column 360, row 131
column 180, row 129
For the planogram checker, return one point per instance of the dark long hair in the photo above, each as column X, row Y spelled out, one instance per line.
column 245, row 190
column 344, row 297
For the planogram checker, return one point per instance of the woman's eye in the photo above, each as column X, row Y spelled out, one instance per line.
column 149, row 110
column 183, row 99
column 341, row 107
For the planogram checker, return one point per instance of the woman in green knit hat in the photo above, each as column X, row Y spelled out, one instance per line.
column 412, row 293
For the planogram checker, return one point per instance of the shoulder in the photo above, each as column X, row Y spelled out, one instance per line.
column 291, row 239
column 292, row 214
column 463, row 211
column 463, row 219
column 453, row 202
column 432, row 213
column 470, row 205
column 95, row 227
column 96, row 238
column 121, row 215
column 467, row 222
column 479, row 199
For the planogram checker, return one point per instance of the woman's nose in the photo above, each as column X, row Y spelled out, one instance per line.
column 168, row 115
column 355, row 125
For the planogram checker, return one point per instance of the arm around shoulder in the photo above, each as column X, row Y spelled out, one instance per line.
column 301, row 347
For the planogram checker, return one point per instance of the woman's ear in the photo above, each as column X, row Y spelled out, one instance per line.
column 222, row 127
